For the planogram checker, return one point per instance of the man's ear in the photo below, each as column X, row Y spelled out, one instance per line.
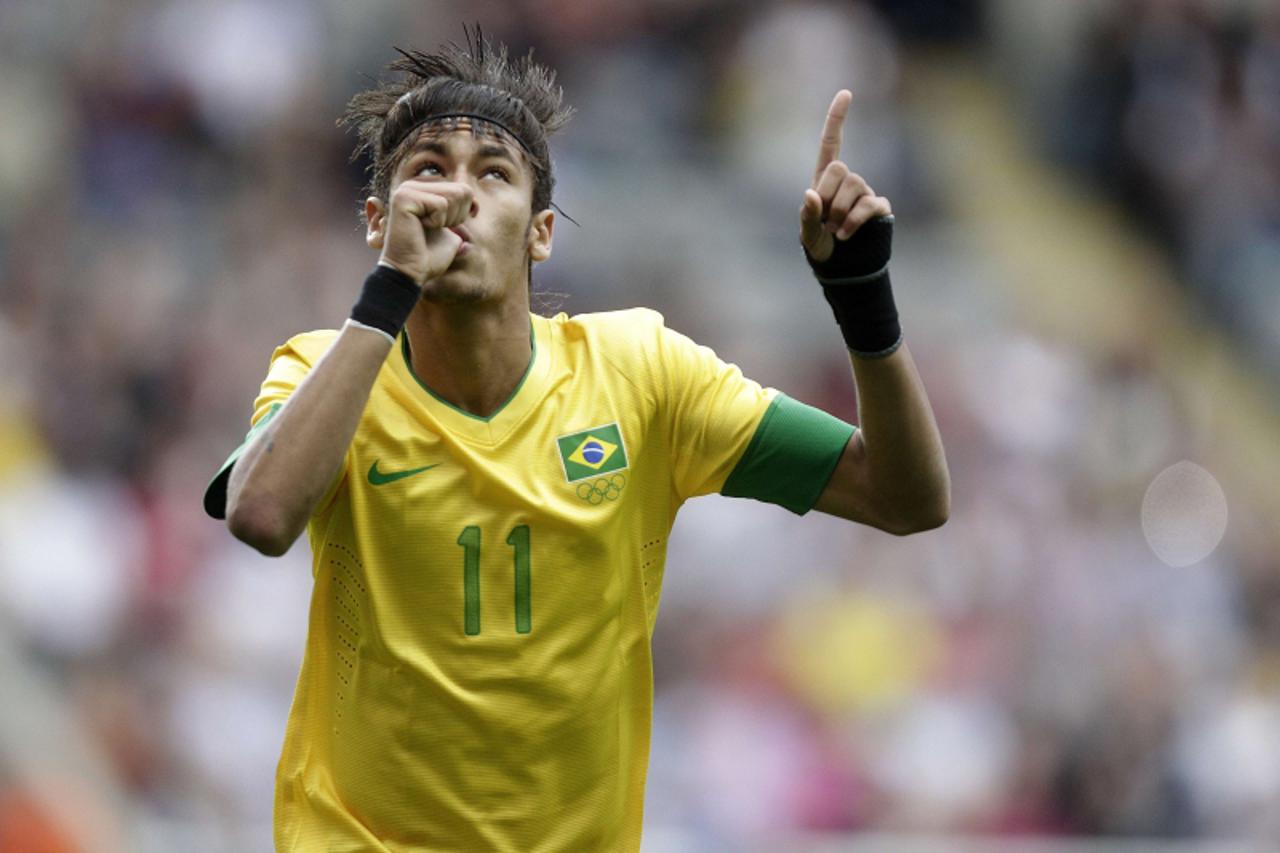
column 540, row 231
column 375, row 213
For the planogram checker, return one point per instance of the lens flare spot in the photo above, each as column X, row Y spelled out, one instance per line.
column 1184, row 514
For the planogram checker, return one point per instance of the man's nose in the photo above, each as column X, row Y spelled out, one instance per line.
column 463, row 176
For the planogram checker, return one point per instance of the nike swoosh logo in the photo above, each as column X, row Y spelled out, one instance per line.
column 381, row 478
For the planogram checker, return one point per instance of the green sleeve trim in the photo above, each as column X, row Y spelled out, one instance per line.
column 215, row 495
column 791, row 456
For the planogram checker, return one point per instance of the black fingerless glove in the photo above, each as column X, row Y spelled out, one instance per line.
column 855, row 281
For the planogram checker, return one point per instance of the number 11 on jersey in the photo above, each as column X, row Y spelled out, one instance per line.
column 518, row 539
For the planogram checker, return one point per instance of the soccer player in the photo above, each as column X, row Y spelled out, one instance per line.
column 488, row 493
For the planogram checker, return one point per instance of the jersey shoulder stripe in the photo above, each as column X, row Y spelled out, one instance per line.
column 289, row 363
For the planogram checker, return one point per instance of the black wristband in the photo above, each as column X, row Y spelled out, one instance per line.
column 386, row 301
column 867, row 316
column 855, row 281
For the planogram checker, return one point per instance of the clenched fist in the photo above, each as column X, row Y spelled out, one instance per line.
column 424, row 219
column 839, row 201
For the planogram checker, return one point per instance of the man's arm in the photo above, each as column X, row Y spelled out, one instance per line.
column 893, row 472
column 277, row 482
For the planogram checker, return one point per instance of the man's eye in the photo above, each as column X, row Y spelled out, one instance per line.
column 499, row 171
column 429, row 169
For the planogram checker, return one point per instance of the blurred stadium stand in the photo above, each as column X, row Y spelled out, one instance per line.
column 1088, row 196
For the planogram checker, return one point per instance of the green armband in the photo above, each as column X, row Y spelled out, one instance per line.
column 791, row 456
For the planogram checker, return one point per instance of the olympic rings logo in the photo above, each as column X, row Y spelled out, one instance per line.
column 602, row 489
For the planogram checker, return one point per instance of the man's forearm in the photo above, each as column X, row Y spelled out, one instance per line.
column 905, row 462
column 283, row 474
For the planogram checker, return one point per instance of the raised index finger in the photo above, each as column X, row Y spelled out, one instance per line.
column 832, row 132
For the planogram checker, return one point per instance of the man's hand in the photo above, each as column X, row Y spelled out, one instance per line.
column 419, row 239
column 839, row 201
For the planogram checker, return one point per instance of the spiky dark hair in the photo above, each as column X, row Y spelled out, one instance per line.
column 478, row 78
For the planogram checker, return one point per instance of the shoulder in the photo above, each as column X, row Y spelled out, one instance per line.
column 626, row 345
column 627, row 335
column 627, row 338
column 637, row 341
column 306, row 347
column 630, row 325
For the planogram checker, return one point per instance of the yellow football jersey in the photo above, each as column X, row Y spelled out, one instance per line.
column 477, row 673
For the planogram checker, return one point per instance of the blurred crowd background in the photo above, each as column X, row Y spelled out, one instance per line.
column 175, row 200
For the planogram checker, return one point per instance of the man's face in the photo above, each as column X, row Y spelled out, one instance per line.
column 501, row 233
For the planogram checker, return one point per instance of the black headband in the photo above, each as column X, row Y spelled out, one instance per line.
column 476, row 117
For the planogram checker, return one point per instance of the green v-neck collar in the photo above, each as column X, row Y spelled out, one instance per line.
column 493, row 427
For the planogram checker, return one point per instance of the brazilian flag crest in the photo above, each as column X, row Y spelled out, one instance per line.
column 592, row 452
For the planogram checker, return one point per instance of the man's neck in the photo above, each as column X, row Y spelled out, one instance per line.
column 473, row 356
